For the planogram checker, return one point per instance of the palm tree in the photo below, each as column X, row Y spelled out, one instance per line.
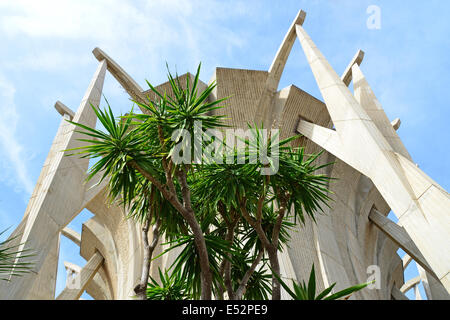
column 230, row 219
column 139, row 146
column 265, row 204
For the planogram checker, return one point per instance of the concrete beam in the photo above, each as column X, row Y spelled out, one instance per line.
column 406, row 261
column 347, row 75
column 409, row 284
column 82, row 279
column 72, row 235
column 396, row 123
column 397, row 234
column 64, row 110
column 326, row 138
column 125, row 80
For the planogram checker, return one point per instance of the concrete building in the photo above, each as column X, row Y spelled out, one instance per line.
column 375, row 174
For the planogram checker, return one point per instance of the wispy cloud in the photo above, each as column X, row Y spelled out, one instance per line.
column 131, row 30
column 49, row 61
column 12, row 150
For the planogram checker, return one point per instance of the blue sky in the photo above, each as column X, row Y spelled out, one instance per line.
column 45, row 55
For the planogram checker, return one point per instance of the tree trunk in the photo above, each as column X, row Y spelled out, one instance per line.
column 199, row 239
column 221, row 289
column 141, row 288
column 200, row 244
column 272, row 250
column 188, row 214
column 275, row 265
column 243, row 285
column 228, row 282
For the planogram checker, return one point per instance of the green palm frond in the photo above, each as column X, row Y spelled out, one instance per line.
column 269, row 217
column 171, row 287
column 296, row 174
column 259, row 286
column 113, row 149
column 187, row 261
column 181, row 109
column 13, row 261
column 303, row 291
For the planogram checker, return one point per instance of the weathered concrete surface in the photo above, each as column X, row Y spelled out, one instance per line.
column 419, row 203
column 56, row 200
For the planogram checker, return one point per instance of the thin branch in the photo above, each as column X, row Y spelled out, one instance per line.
column 169, row 196
column 255, row 224
column 140, row 289
column 199, row 239
column 230, row 238
column 260, row 205
column 277, row 228
column 243, row 285
column 185, row 191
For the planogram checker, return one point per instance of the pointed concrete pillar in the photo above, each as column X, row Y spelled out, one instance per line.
column 408, row 285
column 367, row 99
column 419, row 203
column 265, row 105
column 56, row 200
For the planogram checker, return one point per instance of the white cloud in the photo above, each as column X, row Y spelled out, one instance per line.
column 11, row 149
column 64, row 18
column 124, row 27
column 50, row 61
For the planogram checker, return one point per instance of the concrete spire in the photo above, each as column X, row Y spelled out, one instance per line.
column 275, row 71
column 56, row 200
column 420, row 204
column 367, row 99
